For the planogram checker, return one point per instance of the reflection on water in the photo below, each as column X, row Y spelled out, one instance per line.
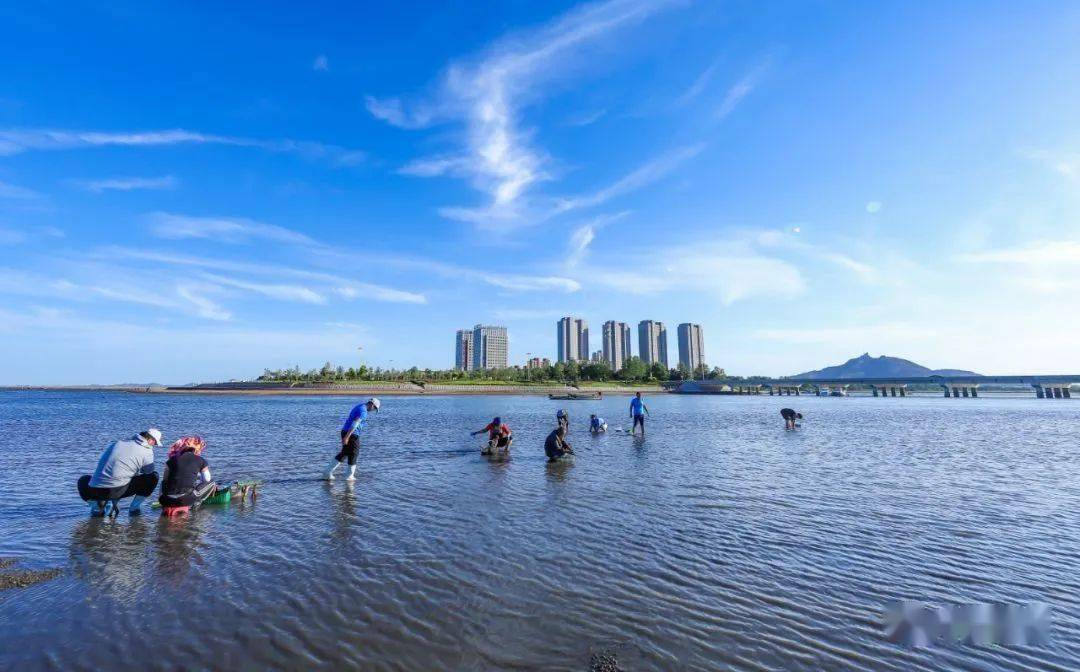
column 718, row 541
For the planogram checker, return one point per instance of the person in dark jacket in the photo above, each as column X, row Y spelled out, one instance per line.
column 186, row 480
column 790, row 416
column 556, row 446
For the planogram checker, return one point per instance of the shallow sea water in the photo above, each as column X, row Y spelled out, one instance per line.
column 720, row 541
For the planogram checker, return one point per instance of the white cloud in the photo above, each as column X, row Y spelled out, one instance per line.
column 489, row 94
column 127, row 183
column 586, row 118
column 15, row 192
column 222, row 229
column 1064, row 164
column 1043, row 252
column 644, row 175
column 273, row 291
column 584, row 235
column 321, row 63
column 342, row 286
column 1043, row 267
column 740, row 90
column 873, row 207
column 16, row 141
column 127, row 287
column 727, row 270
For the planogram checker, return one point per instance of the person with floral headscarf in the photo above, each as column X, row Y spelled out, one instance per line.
column 186, row 480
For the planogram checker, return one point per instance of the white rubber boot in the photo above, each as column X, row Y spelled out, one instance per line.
column 329, row 475
column 352, row 473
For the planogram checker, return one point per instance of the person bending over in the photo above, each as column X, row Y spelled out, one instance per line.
column 125, row 469
column 556, row 446
column 350, row 438
column 790, row 416
column 186, row 480
column 597, row 424
column 637, row 412
column 499, row 436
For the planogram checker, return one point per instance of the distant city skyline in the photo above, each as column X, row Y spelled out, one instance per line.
column 805, row 185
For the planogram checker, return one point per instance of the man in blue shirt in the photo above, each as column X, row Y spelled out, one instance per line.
column 637, row 412
column 350, row 438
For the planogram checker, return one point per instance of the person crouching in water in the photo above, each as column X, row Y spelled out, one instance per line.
column 350, row 438
column 186, row 480
column 790, row 416
column 499, row 436
column 556, row 446
column 125, row 469
column 597, row 424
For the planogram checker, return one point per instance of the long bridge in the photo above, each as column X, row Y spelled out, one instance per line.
column 1046, row 387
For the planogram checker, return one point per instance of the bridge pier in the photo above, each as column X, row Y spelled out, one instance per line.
column 957, row 390
column 1053, row 390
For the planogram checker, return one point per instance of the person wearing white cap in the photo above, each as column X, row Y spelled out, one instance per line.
column 350, row 438
column 125, row 469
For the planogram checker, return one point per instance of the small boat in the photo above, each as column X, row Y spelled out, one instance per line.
column 576, row 396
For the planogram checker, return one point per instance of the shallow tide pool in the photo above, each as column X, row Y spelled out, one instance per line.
column 719, row 541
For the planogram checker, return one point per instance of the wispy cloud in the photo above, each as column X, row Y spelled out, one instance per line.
column 700, row 84
column 222, row 229
column 489, row 94
column 127, row 183
column 321, row 63
column 273, row 291
column 15, row 192
column 586, row 118
column 742, row 88
column 188, row 298
column 1043, row 267
column 583, row 236
column 728, row 271
column 343, row 287
column 1063, row 163
column 1042, row 252
column 644, row 175
column 16, row 141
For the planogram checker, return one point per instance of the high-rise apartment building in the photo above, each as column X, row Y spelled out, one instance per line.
column 616, row 337
column 652, row 342
column 463, row 350
column 691, row 346
column 490, row 347
column 573, row 340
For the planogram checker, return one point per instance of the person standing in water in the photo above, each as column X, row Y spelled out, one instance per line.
column 563, row 418
column 350, row 438
column 637, row 412
column 790, row 416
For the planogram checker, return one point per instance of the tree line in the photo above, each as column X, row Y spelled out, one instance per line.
column 634, row 371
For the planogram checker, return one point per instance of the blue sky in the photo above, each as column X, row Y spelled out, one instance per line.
column 196, row 193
